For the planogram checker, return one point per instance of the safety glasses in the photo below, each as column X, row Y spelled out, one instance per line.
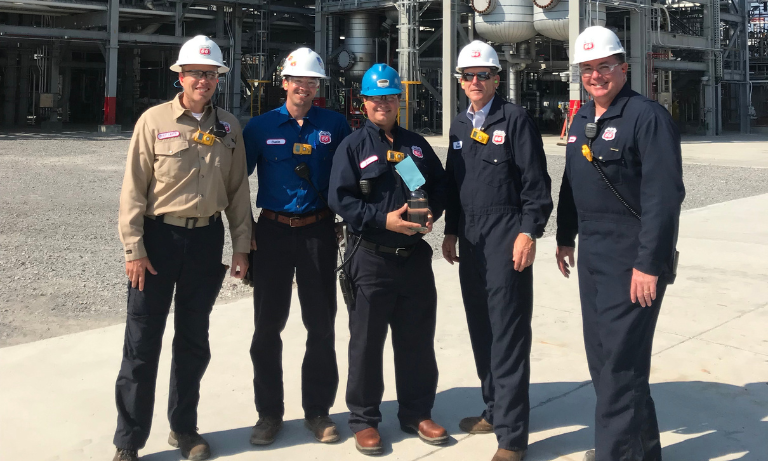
column 603, row 69
column 199, row 74
column 384, row 98
column 481, row 76
column 305, row 82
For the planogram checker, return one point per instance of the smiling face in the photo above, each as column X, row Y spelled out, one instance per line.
column 479, row 91
column 606, row 79
column 300, row 90
column 197, row 92
column 382, row 110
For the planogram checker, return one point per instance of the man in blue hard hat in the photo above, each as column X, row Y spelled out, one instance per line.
column 294, row 236
column 375, row 171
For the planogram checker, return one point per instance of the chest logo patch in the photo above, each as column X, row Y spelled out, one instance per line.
column 417, row 152
column 609, row 134
column 275, row 142
column 325, row 137
column 499, row 136
column 227, row 127
column 368, row 161
column 168, row 134
column 457, row 145
column 571, row 139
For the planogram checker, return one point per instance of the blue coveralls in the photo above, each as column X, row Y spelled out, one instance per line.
column 309, row 251
column 638, row 148
column 496, row 191
column 392, row 274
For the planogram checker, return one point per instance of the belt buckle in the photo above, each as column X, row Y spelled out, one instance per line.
column 290, row 221
column 194, row 223
column 397, row 252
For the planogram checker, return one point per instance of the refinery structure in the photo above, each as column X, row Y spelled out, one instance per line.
column 87, row 63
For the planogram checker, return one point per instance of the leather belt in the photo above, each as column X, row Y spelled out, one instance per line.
column 402, row 252
column 296, row 221
column 188, row 223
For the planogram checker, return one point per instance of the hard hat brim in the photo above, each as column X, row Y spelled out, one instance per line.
column 308, row 73
column 490, row 66
column 381, row 92
column 578, row 59
column 222, row 68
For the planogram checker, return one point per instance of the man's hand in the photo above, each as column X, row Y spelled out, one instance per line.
column 135, row 271
column 239, row 260
column 560, row 254
column 429, row 223
column 524, row 252
column 449, row 248
column 643, row 288
column 396, row 223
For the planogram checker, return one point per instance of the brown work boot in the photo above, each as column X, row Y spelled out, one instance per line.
column 192, row 445
column 428, row 431
column 123, row 454
column 323, row 428
column 508, row 455
column 368, row 441
column 589, row 455
column 476, row 425
column 265, row 430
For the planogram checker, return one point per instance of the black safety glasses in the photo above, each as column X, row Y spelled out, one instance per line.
column 482, row 76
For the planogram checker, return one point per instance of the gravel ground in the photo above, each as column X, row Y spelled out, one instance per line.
column 60, row 250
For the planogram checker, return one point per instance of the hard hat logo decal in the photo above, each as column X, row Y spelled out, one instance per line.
column 325, row 137
column 320, row 61
column 499, row 136
column 475, row 53
column 383, row 83
column 206, row 50
column 417, row 152
column 588, row 45
column 609, row 134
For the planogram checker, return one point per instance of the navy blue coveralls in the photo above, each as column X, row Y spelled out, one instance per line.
column 497, row 191
column 392, row 274
column 638, row 148
column 309, row 252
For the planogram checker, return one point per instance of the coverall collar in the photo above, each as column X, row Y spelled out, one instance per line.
column 178, row 110
column 312, row 115
column 617, row 105
column 374, row 129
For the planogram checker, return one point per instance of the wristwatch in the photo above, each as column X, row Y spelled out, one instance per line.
column 528, row 234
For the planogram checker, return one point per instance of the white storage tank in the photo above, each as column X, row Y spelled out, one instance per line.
column 504, row 21
column 550, row 18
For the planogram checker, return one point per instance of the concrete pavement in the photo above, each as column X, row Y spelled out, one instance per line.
column 709, row 378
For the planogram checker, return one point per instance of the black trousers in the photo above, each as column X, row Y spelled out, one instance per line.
column 310, row 252
column 499, row 304
column 397, row 292
column 618, row 337
column 190, row 261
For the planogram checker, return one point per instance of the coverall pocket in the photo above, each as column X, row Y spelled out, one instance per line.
column 612, row 162
column 169, row 158
column 494, row 167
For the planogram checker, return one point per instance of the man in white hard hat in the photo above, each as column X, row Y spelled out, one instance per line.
column 621, row 194
column 294, row 234
column 186, row 164
column 498, row 205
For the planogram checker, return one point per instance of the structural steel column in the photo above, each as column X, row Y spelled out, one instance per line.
column 450, row 21
column 744, row 101
column 237, row 54
column 22, row 110
column 709, row 103
column 110, row 98
column 575, row 9
column 321, row 34
column 639, row 48
column 408, row 56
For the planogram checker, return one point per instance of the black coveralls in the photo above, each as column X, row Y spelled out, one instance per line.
column 638, row 148
column 396, row 290
column 497, row 191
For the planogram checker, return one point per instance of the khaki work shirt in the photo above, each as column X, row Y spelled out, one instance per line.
column 169, row 173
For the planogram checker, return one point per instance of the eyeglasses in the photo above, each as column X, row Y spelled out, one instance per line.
column 199, row 74
column 603, row 69
column 305, row 82
column 481, row 76
column 384, row 98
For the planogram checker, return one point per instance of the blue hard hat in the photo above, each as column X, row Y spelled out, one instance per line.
column 379, row 80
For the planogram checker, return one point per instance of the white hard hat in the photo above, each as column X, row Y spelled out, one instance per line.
column 200, row 50
column 477, row 54
column 596, row 42
column 303, row 63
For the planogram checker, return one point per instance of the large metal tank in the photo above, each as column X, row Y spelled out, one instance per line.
column 362, row 28
column 510, row 21
column 550, row 18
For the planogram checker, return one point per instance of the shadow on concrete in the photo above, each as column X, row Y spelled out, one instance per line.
column 86, row 135
column 689, row 408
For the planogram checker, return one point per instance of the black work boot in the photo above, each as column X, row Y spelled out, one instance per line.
column 192, row 445
column 123, row 454
column 265, row 430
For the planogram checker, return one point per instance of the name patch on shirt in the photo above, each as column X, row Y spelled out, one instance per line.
column 457, row 145
column 499, row 136
column 571, row 139
column 168, row 134
column 417, row 152
column 368, row 161
column 272, row 142
column 227, row 127
column 609, row 133
column 325, row 137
